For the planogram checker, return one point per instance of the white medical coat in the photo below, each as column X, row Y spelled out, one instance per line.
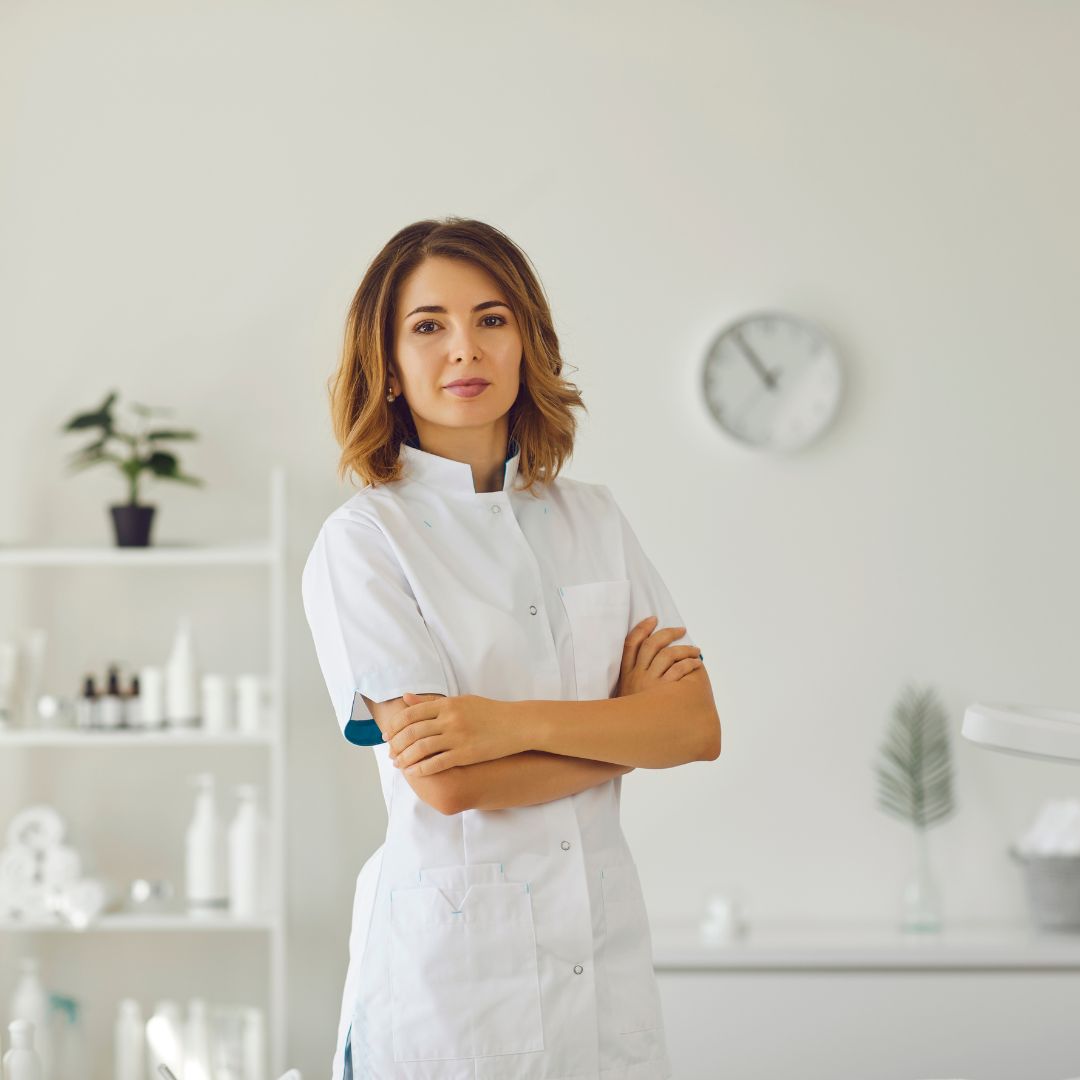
column 504, row 944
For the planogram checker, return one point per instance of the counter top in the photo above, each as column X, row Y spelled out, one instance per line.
column 866, row 947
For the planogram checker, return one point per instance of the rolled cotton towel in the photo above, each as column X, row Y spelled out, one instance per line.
column 61, row 865
column 1056, row 830
column 18, row 882
column 36, row 827
column 86, row 900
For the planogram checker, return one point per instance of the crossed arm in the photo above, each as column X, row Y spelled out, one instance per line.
column 578, row 744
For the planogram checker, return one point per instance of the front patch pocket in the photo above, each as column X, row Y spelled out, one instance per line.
column 463, row 973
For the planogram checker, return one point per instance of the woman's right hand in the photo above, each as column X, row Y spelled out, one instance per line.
column 648, row 659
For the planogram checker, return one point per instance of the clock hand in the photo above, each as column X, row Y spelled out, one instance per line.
column 769, row 378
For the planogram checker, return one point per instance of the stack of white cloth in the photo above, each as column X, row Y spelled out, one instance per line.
column 41, row 877
column 1056, row 830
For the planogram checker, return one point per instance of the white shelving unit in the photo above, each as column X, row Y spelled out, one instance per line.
column 270, row 555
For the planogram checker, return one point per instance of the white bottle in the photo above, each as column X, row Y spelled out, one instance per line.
column 206, row 884
column 165, row 1040
column 182, row 678
column 197, row 1042
column 30, row 1001
column 247, row 856
column 21, row 1061
column 254, row 1039
column 129, row 1046
column 152, row 699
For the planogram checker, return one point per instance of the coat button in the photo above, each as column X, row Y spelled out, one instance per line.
column 566, row 845
column 578, row 969
column 496, row 509
column 532, row 609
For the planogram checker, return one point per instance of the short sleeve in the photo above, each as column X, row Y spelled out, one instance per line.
column 369, row 634
column 648, row 593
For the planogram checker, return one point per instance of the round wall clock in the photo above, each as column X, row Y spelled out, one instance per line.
column 773, row 380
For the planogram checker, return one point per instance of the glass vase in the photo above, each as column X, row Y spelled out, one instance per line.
column 922, row 898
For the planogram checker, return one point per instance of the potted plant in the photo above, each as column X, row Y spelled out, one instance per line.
column 139, row 451
column 915, row 784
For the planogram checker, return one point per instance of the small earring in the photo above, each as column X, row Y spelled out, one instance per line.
column 390, row 394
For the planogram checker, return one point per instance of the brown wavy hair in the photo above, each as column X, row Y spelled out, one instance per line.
column 370, row 430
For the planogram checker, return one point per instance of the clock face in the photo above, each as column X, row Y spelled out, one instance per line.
column 772, row 381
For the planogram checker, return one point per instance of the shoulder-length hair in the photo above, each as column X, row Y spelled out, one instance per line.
column 370, row 430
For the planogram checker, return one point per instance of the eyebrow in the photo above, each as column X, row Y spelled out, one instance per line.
column 442, row 311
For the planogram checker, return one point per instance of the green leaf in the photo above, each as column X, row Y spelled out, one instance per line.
column 161, row 463
column 171, row 435
column 915, row 779
column 100, row 417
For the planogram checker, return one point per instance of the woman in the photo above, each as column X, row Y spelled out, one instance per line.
column 470, row 611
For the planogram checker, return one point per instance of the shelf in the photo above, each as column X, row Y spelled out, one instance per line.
column 267, row 554
column 122, row 922
column 83, row 739
column 156, row 555
column 869, row 947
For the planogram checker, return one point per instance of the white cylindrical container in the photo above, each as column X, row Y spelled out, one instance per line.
column 165, row 1040
column 206, row 878
column 254, row 1045
column 182, row 679
column 247, row 856
column 129, row 1056
column 197, row 1064
column 21, row 1062
column 9, row 684
column 250, row 704
column 151, row 697
column 30, row 1001
column 217, row 711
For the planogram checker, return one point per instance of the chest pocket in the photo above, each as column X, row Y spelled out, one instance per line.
column 464, row 980
column 598, row 613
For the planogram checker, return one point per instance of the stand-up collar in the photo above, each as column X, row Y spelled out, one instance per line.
column 453, row 475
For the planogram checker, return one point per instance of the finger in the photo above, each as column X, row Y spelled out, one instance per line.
column 638, row 634
column 632, row 643
column 657, row 641
column 641, row 629
column 684, row 667
column 430, row 765
column 679, row 669
column 666, row 658
column 422, row 710
column 419, row 749
column 409, row 734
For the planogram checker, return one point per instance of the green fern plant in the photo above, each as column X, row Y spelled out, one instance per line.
column 914, row 772
column 140, row 450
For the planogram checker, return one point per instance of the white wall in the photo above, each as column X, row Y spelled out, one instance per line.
column 189, row 194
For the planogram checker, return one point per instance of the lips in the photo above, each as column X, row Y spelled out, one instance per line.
column 468, row 388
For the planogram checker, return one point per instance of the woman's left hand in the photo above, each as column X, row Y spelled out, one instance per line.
column 429, row 736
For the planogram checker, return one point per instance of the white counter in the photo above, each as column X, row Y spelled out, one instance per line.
column 838, row 947
column 850, row 1002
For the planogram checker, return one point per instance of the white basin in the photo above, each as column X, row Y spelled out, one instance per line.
column 1024, row 730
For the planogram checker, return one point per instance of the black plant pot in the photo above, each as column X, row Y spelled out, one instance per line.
column 132, row 524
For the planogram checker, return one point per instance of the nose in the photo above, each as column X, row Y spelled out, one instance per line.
column 463, row 345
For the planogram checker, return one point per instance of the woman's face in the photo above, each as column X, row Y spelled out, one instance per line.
column 454, row 323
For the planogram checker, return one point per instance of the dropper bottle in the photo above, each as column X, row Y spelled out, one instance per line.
column 86, row 707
